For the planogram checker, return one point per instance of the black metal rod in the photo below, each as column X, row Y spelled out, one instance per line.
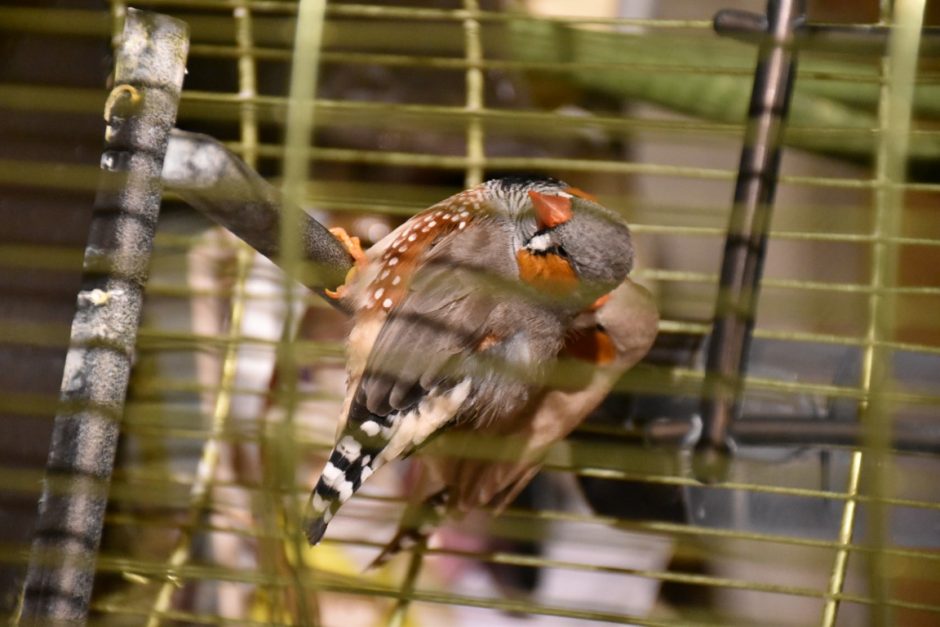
column 212, row 179
column 809, row 431
column 746, row 243
column 855, row 38
column 140, row 112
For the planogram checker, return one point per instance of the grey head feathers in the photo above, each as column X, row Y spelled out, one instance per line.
column 512, row 192
column 595, row 240
column 597, row 244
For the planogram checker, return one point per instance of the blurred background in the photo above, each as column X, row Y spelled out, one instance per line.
column 638, row 102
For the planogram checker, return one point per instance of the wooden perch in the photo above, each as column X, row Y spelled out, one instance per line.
column 212, row 179
column 140, row 112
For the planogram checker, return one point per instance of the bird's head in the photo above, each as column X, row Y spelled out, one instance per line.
column 567, row 244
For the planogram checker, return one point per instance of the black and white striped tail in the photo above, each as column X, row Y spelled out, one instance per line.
column 353, row 460
column 417, row 525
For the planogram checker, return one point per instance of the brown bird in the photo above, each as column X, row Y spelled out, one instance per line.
column 468, row 318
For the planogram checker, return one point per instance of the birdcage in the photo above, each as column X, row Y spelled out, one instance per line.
column 769, row 462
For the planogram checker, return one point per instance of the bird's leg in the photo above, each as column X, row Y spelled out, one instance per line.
column 417, row 524
column 354, row 247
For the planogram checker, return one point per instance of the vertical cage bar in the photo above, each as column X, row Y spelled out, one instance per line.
column 141, row 110
column 305, row 60
column 473, row 53
column 899, row 71
column 247, row 83
column 118, row 15
column 476, row 155
column 200, row 492
column 894, row 114
column 746, row 242
column 245, row 262
column 846, row 528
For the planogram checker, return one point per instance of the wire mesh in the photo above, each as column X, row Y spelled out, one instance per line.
column 410, row 104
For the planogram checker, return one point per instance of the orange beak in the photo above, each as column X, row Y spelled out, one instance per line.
column 550, row 211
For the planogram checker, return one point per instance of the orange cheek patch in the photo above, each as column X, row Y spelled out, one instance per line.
column 548, row 273
column 594, row 346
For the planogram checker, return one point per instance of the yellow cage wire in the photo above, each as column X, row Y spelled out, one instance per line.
column 835, row 277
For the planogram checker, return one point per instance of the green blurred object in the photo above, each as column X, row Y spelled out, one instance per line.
column 833, row 109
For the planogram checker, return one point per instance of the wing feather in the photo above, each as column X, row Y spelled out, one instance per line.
column 415, row 378
column 429, row 335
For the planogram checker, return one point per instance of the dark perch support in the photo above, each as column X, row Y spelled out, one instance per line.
column 768, row 430
column 746, row 243
column 140, row 113
column 843, row 38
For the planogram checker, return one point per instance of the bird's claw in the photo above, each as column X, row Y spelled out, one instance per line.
column 353, row 246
